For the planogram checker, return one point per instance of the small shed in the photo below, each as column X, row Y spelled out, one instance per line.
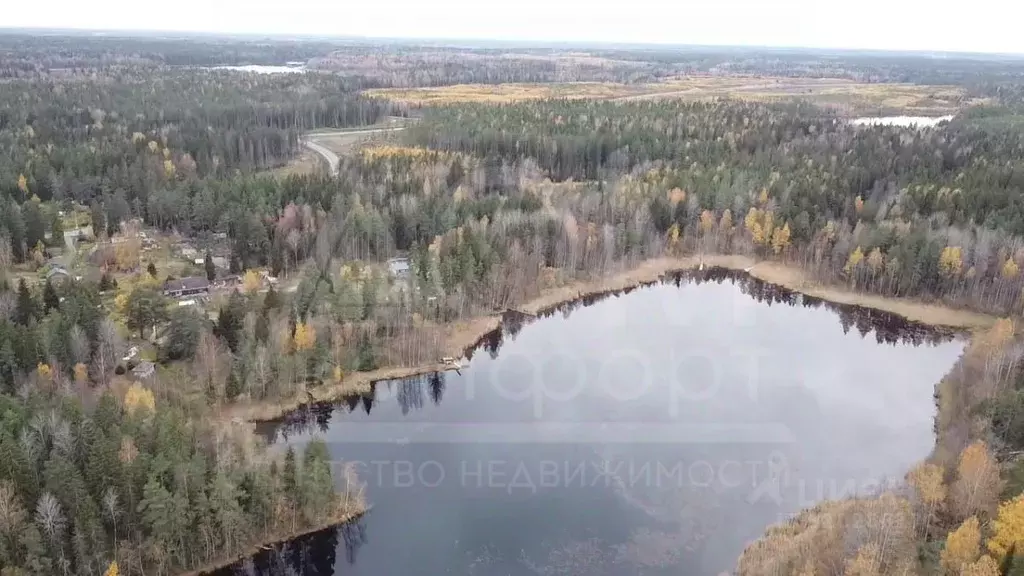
column 144, row 370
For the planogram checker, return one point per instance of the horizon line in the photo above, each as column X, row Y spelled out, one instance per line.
column 474, row 42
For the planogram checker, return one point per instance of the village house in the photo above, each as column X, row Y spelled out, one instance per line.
column 57, row 273
column 190, row 286
column 399, row 267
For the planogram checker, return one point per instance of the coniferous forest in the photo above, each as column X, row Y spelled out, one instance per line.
column 127, row 164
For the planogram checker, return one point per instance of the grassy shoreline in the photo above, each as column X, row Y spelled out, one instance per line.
column 466, row 333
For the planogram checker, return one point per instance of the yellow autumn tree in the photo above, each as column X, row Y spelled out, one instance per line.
column 121, row 302
column 139, row 397
column 112, row 570
column 44, row 371
column 23, row 184
column 673, row 236
column 865, row 562
column 977, row 486
column 752, row 222
column 168, row 168
column 951, row 261
column 81, row 373
column 985, row 566
column 153, row 146
column 126, row 255
column 767, row 224
column 963, row 546
column 305, row 336
column 929, row 488
column 251, row 282
column 762, row 198
column 707, row 221
column 339, row 374
column 1010, row 269
column 1008, row 528
column 856, row 257
column 780, row 238
column 999, row 334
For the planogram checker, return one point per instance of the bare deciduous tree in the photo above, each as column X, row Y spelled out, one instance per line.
column 50, row 517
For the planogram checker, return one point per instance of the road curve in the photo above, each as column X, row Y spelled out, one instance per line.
column 327, row 154
column 332, row 159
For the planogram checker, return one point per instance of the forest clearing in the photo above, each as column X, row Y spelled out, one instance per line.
column 847, row 96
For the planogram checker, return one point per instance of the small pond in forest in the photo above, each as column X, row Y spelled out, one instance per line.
column 654, row 431
column 906, row 121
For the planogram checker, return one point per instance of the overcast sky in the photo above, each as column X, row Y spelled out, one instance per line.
column 974, row 26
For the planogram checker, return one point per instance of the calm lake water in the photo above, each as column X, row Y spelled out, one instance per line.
column 653, row 432
column 919, row 121
column 290, row 68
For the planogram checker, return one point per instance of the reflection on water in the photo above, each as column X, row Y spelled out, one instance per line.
column 311, row 555
column 674, row 422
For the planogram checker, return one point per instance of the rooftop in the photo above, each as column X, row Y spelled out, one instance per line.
column 189, row 283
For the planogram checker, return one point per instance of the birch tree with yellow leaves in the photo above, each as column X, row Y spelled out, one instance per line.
column 963, row 547
column 976, row 488
column 1008, row 528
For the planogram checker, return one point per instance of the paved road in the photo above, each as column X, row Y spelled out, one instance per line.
column 309, row 141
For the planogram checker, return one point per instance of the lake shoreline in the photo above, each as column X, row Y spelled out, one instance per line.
column 466, row 334
column 333, row 522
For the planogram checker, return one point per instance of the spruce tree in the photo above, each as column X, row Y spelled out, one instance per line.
column 211, row 270
column 50, row 299
column 26, row 310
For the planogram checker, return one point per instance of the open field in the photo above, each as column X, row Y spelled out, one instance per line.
column 331, row 144
column 307, row 162
column 847, row 96
column 506, row 93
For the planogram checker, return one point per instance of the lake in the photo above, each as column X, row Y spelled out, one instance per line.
column 290, row 68
column 657, row 431
column 919, row 121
